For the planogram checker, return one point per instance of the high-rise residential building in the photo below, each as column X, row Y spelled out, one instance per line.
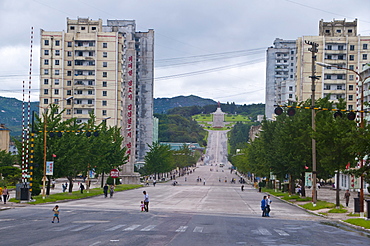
column 340, row 46
column 280, row 74
column 107, row 69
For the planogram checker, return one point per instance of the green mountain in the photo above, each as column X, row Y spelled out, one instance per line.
column 11, row 114
column 162, row 105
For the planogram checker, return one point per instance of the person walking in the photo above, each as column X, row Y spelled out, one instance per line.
column 146, row 201
column 263, row 206
column 142, row 206
column 5, row 194
column 346, row 196
column 268, row 206
column 111, row 191
column 242, row 187
column 154, row 182
column 56, row 213
column 105, row 190
column 82, row 187
column 1, row 194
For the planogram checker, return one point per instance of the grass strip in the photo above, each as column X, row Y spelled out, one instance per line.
column 359, row 222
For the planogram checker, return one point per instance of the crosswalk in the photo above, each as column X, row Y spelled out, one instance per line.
column 153, row 227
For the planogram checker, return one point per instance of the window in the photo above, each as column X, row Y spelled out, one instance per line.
column 340, row 76
column 79, row 111
column 105, row 45
column 83, row 28
column 350, row 97
column 339, row 87
column 350, row 87
column 68, row 111
column 290, row 95
column 339, row 96
column 91, row 53
column 329, row 47
column 352, row 67
column 340, row 47
column 69, row 83
column 46, row 101
column 69, row 44
column 46, row 71
column 46, row 42
column 364, row 46
column 104, row 93
column 46, row 91
column 72, row 28
column 104, row 103
column 79, row 92
column 56, row 91
column 351, row 47
column 69, row 92
column 57, row 72
column 351, row 77
column 57, row 42
column 339, row 31
column 46, row 62
column 327, row 31
column 105, row 64
column 56, row 101
column 57, row 52
column 46, row 52
column 328, row 57
column 291, row 64
column 69, row 53
column 93, row 28
column 104, row 83
column 104, row 74
column 69, row 73
column 364, row 56
column 78, row 101
column 90, row 101
column 327, row 87
column 350, row 107
column 104, row 112
column 90, row 82
column 90, row 92
column 351, row 57
column 105, row 54
column 340, row 57
column 69, row 63
column 291, row 76
column 56, row 81
column 56, row 62
column 91, row 44
column 349, row 30
column 91, row 73
column 327, row 76
column 46, row 81
column 292, row 52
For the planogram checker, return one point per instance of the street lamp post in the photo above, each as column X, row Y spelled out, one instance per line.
column 362, row 125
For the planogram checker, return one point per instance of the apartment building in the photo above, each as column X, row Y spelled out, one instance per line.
column 340, row 46
column 105, row 69
column 280, row 74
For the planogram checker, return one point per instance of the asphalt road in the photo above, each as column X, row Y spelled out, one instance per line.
column 192, row 213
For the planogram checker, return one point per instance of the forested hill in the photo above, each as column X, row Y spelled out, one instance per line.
column 162, row 105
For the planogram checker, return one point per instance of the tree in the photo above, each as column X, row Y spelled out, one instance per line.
column 159, row 159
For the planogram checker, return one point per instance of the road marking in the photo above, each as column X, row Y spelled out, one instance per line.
column 6, row 227
column 96, row 243
column 114, row 227
column 90, row 221
column 148, row 228
column 198, row 229
column 131, row 228
column 63, row 228
column 281, row 232
column 81, row 228
column 182, row 229
column 264, row 231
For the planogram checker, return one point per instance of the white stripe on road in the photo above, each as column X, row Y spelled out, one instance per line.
column 264, row 231
column 131, row 228
column 6, row 227
column 114, row 227
column 281, row 233
column 182, row 229
column 80, row 228
column 198, row 229
column 148, row 228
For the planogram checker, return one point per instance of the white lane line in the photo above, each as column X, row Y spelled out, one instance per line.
column 148, row 228
column 114, row 227
column 131, row 228
column 96, row 243
column 6, row 227
column 198, row 229
column 182, row 229
column 264, row 231
column 80, row 228
column 281, row 232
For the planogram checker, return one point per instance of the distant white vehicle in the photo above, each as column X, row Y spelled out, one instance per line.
column 221, row 165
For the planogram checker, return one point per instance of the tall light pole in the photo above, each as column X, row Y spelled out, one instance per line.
column 313, row 77
column 362, row 125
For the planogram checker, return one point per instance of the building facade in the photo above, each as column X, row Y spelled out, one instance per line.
column 280, row 74
column 4, row 138
column 105, row 69
column 340, row 46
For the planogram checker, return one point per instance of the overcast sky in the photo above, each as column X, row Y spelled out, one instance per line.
column 209, row 48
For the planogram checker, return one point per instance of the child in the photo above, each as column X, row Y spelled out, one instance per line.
column 56, row 213
column 142, row 206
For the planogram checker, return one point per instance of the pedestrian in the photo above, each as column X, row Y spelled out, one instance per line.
column 82, row 187
column 242, row 187
column 105, row 190
column 111, row 191
column 56, row 213
column 142, row 206
column 263, row 206
column 64, row 188
column 1, row 194
column 5, row 194
column 268, row 206
column 154, row 182
column 204, row 181
column 66, row 185
column 346, row 196
column 146, row 201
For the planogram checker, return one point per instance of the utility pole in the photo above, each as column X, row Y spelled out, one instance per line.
column 313, row 77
